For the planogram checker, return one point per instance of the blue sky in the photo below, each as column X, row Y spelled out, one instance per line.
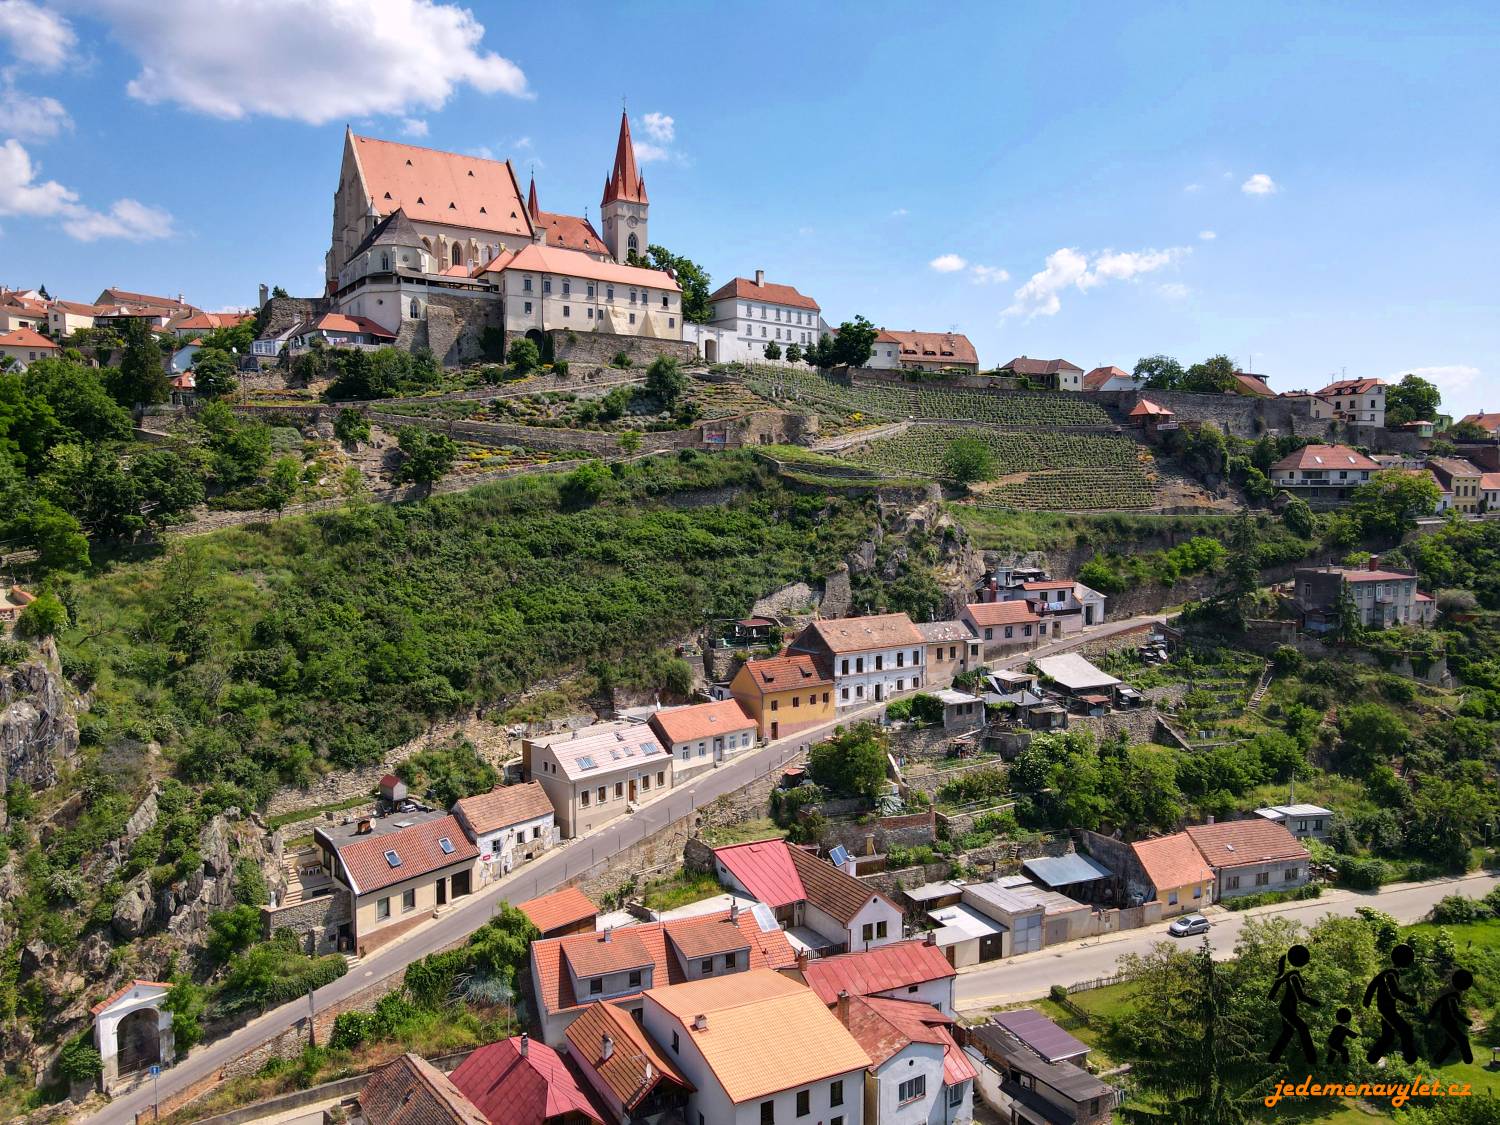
column 1309, row 188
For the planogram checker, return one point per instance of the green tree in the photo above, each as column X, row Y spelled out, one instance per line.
column 448, row 773
column 1213, row 376
column 91, row 482
column 1299, row 519
column 630, row 441
column 1466, row 432
column 1369, row 735
column 820, row 353
column 57, row 536
column 1412, row 399
column 855, row 343
column 586, row 484
column 232, row 931
column 1390, row 503
column 238, row 450
column 524, row 356
column 772, row 350
column 666, row 380
column 1160, row 372
column 281, row 486
column 166, row 485
column 351, row 426
column 852, row 762
column 1241, row 574
column 969, row 459
column 691, row 277
column 78, row 399
column 793, row 353
column 213, row 374
column 44, row 617
column 79, row 1061
column 141, row 379
column 429, row 456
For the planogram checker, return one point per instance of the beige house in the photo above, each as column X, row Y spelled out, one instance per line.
column 1461, row 478
column 66, row 317
column 952, row 649
column 25, row 345
column 545, row 288
column 398, row 870
column 597, row 773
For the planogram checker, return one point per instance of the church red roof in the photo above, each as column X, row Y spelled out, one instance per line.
column 624, row 182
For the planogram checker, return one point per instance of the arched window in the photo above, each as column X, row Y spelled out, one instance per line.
column 416, row 310
column 458, row 254
column 632, row 245
column 385, row 262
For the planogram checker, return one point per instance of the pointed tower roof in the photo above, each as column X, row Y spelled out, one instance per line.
column 531, row 205
column 624, row 182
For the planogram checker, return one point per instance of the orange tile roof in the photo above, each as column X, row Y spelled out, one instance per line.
column 612, row 951
column 787, row 672
column 705, row 941
column 417, row 847
column 555, row 990
column 1352, row 387
column 114, row 296
column 76, row 308
column 123, row 989
column 635, row 1067
column 884, row 1027
column 1172, row 861
column 211, row 321
column 1325, row 457
column 1485, row 421
column 861, row 634
column 574, row 263
column 938, row 346
column 702, row 720
column 1147, row 408
column 505, row 805
column 746, row 289
column 763, row 1032
column 1253, row 384
column 989, row 614
column 1101, row 375
column 26, row 338
column 339, row 322
column 561, row 908
column 571, row 232
column 442, row 187
column 1489, row 481
column 1234, row 843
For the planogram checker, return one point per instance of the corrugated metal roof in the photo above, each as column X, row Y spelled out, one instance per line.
column 764, row 868
column 881, row 969
column 1059, row 871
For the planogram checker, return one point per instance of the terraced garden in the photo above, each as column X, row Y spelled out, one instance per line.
column 923, row 448
column 1077, row 489
column 846, row 407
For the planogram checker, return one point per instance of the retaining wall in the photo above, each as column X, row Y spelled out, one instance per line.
column 1245, row 416
column 602, row 347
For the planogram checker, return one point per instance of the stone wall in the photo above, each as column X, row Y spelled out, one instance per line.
column 1139, row 725
column 602, row 347
column 873, row 376
column 1245, row 416
column 315, row 920
column 452, row 326
column 282, row 313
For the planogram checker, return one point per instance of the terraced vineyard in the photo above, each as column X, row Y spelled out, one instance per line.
column 1077, row 489
column 922, row 448
column 854, row 405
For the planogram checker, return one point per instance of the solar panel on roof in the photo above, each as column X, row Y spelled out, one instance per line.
column 586, row 763
column 839, row 856
column 645, row 748
column 1039, row 1033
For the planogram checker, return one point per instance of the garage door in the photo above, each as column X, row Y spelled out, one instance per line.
column 1026, row 936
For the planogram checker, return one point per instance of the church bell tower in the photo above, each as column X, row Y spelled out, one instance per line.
column 624, row 206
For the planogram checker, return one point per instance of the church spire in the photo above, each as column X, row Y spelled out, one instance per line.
column 531, row 206
column 625, row 182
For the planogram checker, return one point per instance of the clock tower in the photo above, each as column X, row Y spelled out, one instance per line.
column 624, row 206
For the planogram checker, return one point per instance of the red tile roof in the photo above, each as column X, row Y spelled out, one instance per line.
column 571, row 232
column 575, row 263
column 703, row 720
column 1485, row 421
column 123, row 989
column 510, row 1088
column 114, row 296
column 1353, row 575
column 561, row 908
column 744, row 288
column 624, row 181
column 1489, row 481
column 417, row 847
column 612, row 951
column 1101, row 375
column 1022, row 365
column 26, row 338
column 937, row 346
column 442, row 187
column 1049, row 584
column 1172, row 861
column 886, row 967
column 989, row 614
column 862, row 634
column 1235, row 843
column 635, row 1067
column 1446, row 466
column 885, row 1027
column 411, row 1091
column 555, row 990
column 505, row 805
column 1352, row 387
column 210, row 321
column 1325, row 457
column 1146, row 408
column 338, row 322
column 705, row 941
column 784, row 673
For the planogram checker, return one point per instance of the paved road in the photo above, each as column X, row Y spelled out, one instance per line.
column 1029, row 976
column 550, row 872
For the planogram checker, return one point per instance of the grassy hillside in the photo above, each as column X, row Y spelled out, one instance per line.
column 259, row 656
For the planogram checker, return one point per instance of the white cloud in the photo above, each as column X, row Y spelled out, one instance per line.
column 1259, row 184
column 806, row 231
column 947, row 263
column 984, row 275
column 484, row 152
column 522, row 142
column 31, row 118
column 1070, row 267
column 648, row 153
column 22, row 194
column 413, row 127
column 1451, row 378
column 660, row 127
column 1190, row 188
column 900, row 213
column 36, row 36
column 1208, row 235
column 310, row 62
column 1173, row 290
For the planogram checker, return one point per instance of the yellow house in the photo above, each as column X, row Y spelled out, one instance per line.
column 1461, row 478
column 784, row 694
column 1182, row 880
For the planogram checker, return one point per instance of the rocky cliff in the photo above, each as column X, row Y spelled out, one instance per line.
column 38, row 720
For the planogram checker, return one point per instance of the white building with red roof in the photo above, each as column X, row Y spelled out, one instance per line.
column 903, row 970
column 510, row 825
column 1360, row 402
column 702, row 735
column 26, row 345
column 872, row 658
column 1323, row 472
column 918, row 1072
column 924, row 351
column 749, row 314
column 1381, row 597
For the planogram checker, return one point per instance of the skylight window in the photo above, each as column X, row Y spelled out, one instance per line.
column 587, row 762
column 446, row 844
column 645, row 748
column 393, row 859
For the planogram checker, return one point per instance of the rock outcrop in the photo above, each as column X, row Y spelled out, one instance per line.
column 38, row 720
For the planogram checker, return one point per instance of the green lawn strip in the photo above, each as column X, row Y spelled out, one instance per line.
column 280, row 819
column 680, row 890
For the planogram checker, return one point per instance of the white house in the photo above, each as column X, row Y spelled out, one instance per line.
column 903, row 970
column 597, row 773
column 1360, row 402
column 873, row 658
column 545, row 288
column 752, row 314
column 758, row 1047
column 918, row 1075
column 704, row 734
column 1068, row 604
column 132, row 1031
column 510, row 824
column 1323, row 472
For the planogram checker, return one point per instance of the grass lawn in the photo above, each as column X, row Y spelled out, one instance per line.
column 280, row 819
column 679, row 890
column 742, row 832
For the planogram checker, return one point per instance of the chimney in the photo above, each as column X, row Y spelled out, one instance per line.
column 931, row 938
column 734, row 910
column 844, row 1007
column 606, row 1048
column 364, row 828
column 525, row 1044
column 1374, row 562
column 1210, row 819
column 760, row 279
column 801, row 960
column 700, row 1022
column 607, row 929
